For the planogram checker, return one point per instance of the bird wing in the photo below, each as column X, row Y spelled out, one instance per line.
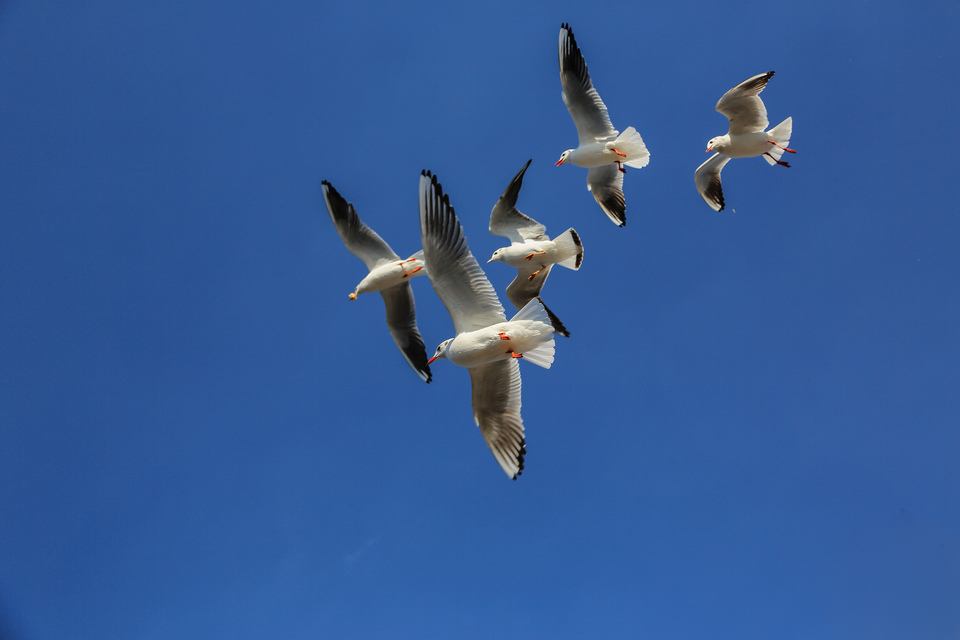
column 523, row 289
column 743, row 106
column 583, row 102
column 606, row 184
column 506, row 221
column 453, row 271
column 496, row 410
column 361, row 240
column 707, row 177
column 402, row 322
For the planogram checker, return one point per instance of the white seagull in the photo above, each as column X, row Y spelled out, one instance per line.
column 388, row 274
column 602, row 149
column 531, row 251
column 486, row 343
column 746, row 138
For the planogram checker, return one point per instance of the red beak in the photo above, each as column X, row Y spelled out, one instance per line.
column 559, row 162
column 709, row 149
column 431, row 359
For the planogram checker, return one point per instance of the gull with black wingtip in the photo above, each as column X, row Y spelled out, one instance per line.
column 746, row 138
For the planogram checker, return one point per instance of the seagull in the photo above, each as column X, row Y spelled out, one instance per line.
column 531, row 251
column 602, row 149
column 388, row 274
column 486, row 343
column 746, row 139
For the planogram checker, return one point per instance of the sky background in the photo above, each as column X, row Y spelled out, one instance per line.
column 753, row 432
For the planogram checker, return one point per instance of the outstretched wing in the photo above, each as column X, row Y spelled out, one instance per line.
column 743, row 106
column 496, row 410
column 453, row 271
column 506, row 221
column 606, row 184
column 583, row 102
column 402, row 322
column 707, row 177
column 361, row 240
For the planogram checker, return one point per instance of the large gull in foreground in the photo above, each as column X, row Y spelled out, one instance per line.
column 485, row 342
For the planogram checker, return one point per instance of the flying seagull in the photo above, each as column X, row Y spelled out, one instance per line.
column 485, row 342
column 746, row 138
column 602, row 149
column 531, row 251
column 388, row 274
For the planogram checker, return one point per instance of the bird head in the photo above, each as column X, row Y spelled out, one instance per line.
column 563, row 157
column 441, row 350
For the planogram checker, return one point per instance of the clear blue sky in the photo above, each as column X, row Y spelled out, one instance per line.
column 753, row 432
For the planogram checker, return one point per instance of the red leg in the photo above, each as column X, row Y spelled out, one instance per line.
column 779, row 162
column 515, row 354
column 781, row 146
column 535, row 253
column 407, row 275
column 534, row 274
column 503, row 336
column 618, row 153
column 620, row 166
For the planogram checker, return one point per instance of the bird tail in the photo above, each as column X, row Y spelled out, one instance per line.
column 419, row 256
column 630, row 143
column 569, row 249
column 542, row 354
column 781, row 135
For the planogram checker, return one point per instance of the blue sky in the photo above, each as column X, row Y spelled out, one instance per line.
column 752, row 432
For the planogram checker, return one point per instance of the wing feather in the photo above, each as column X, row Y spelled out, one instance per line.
column 361, row 240
column 496, row 410
column 506, row 221
column 743, row 106
column 402, row 322
column 583, row 102
column 453, row 271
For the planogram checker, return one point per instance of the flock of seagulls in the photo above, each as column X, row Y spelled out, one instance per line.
column 485, row 342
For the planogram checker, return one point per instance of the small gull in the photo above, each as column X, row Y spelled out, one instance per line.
column 602, row 149
column 486, row 343
column 531, row 251
column 746, row 138
column 388, row 274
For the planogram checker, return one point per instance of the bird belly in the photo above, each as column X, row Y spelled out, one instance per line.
column 516, row 254
column 473, row 348
column 747, row 145
column 383, row 277
column 595, row 154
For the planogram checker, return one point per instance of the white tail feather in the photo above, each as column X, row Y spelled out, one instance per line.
column 569, row 249
column 534, row 312
column 542, row 355
column 630, row 143
column 781, row 135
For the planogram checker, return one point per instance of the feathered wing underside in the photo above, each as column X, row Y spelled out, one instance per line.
column 402, row 322
column 707, row 177
column 360, row 240
column 453, row 271
column 583, row 102
column 496, row 410
column 506, row 221
column 606, row 184
column 743, row 106
column 558, row 327
column 523, row 289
